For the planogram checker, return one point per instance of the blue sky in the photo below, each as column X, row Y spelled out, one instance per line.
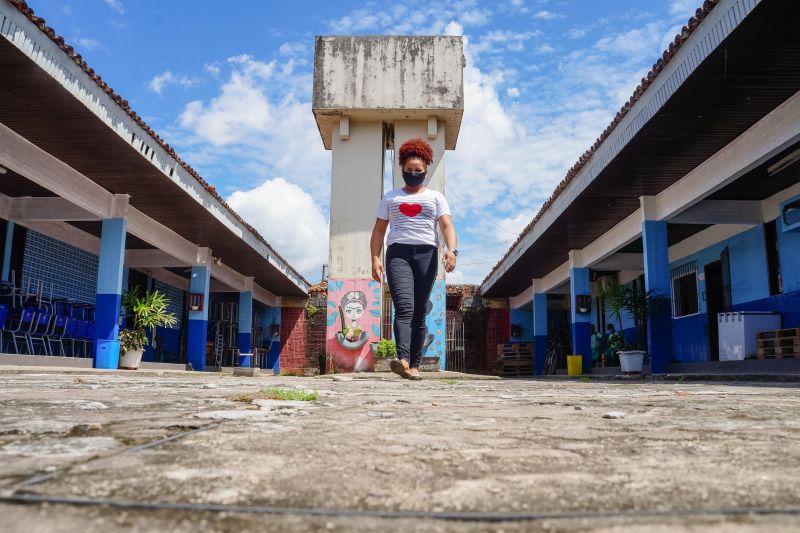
column 229, row 86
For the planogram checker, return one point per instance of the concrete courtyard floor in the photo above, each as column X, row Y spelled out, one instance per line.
column 415, row 456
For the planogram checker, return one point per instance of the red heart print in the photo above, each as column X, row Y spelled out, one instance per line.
column 410, row 210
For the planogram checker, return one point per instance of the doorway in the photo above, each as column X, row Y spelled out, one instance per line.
column 714, row 304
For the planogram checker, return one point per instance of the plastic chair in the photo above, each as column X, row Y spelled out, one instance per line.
column 24, row 326
column 57, row 334
column 3, row 316
column 38, row 333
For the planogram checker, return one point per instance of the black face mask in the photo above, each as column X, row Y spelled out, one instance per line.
column 413, row 179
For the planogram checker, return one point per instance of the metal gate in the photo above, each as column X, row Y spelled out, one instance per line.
column 455, row 354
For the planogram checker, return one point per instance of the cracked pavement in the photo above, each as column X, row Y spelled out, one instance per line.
column 376, row 443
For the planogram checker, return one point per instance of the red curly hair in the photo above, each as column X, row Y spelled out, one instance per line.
column 416, row 147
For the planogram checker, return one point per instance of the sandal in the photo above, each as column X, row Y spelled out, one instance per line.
column 400, row 367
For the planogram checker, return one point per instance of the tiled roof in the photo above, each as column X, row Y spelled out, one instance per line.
column 23, row 8
column 319, row 288
column 700, row 14
column 460, row 290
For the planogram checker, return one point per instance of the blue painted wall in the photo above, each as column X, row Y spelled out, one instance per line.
column 270, row 315
column 749, row 287
column 789, row 253
column 523, row 318
column 72, row 271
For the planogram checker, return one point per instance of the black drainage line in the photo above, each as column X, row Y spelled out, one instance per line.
column 463, row 516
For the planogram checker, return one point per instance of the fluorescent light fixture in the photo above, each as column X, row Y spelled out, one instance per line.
column 783, row 163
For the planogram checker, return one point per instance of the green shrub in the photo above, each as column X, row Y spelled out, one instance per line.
column 386, row 349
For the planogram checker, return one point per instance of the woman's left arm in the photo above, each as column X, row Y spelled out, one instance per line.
column 450, row 240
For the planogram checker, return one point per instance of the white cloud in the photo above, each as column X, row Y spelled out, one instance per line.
column 498, row 40
column 116, row 5
column 87, row 43
column 166, row 78
column 241, row 110
column 683, row 8
column 259, row 125
column 633, row 42
column 430, row 19
column 512, row 92
column 289, row 219
column 577, row 33
column 548, row 15
column 509, row 228
column 545, row 48
column 475, row 17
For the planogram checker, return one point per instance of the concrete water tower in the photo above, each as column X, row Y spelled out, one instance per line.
column 371, row 93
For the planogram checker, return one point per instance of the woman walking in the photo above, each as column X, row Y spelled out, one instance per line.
column 412, row 214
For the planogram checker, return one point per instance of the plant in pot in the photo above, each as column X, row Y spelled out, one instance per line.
column 384, row 351
column 639, row 304
column 148, row 311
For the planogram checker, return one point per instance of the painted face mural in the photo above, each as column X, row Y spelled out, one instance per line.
column 354, row 303
column 354, row 310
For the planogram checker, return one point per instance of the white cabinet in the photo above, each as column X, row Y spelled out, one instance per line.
column 738, row 332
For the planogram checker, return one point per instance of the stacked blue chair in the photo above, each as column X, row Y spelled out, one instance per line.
column 21, row 326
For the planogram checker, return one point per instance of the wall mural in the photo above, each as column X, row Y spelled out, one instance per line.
column 354, row 314
column 434, row 345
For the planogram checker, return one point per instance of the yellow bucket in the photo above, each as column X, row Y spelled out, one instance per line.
column 574, row 365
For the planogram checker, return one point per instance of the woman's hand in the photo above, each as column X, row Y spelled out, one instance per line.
column 449, row 261
column 377, row 269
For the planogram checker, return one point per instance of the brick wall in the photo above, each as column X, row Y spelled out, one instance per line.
column 294, row 340
column 316, row 331
column 497, row 324
column 302, row 340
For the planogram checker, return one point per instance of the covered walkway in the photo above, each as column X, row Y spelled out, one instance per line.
column 691, row 192
column 92, row 200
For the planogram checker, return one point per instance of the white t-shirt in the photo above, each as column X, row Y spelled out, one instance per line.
column 412, row 217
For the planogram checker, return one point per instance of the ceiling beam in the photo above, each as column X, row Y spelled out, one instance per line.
column 720, row 212
column 46, row 208
column 152, row 258
column 620, row 262
column 170, row 278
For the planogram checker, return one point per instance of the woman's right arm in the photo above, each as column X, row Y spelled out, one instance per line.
column 375, row 245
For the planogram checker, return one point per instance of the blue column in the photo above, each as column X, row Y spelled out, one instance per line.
column 105, row 349
column 245, row 326
column 581, row 336
column 656, row 277
column 198, row 320
column 7, row 250
column 539, row 331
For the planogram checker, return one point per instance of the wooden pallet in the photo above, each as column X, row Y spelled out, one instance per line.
column 514, row 347
column 779, row 352
column 507, row 363
column 517, row 372
column 779, row 333
column 779, row 343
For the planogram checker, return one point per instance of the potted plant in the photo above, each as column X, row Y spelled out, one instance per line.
column 639, row 304
column 148, row 310
column 384, row 351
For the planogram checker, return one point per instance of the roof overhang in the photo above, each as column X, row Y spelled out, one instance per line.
column 52, row 99
column 738, row 64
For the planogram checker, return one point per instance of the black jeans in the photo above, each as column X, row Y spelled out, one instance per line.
column 410, row 271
